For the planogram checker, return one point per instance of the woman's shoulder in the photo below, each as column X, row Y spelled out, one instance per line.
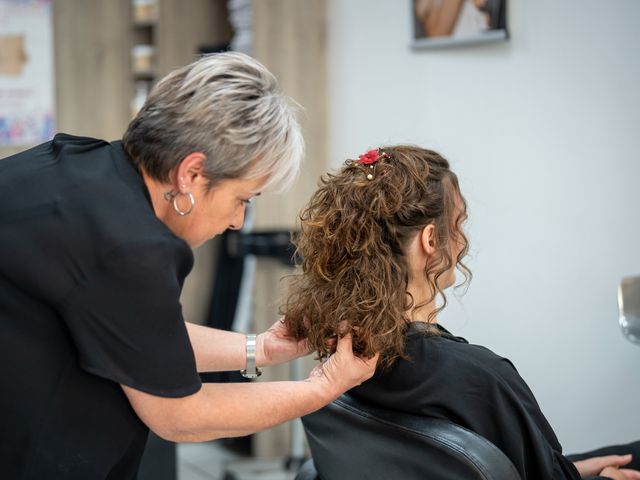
column 91, row 204
column 435, row 349
column 110, row 202
column 440, row 368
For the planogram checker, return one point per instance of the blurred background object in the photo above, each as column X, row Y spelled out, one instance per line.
column 629, row 305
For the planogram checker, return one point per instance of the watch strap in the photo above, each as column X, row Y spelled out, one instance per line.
column 251, row 371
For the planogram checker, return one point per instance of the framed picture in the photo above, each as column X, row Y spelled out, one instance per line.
column 438, row 23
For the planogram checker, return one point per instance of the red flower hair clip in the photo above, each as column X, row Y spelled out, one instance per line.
column 370, row 158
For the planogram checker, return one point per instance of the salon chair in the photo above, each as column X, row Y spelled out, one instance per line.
column 351, row 440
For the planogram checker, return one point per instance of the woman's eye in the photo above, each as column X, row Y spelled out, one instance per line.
column 247, row 201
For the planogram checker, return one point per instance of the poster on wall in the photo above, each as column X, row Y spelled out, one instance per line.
column 26, row 72
column 439, row 23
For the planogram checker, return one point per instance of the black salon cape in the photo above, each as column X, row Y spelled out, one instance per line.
column 471, row 386
column 89, row 299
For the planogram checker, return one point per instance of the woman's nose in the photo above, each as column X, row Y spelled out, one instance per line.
column 238, row 219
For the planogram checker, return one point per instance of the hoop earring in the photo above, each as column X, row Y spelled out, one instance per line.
column 177, row 208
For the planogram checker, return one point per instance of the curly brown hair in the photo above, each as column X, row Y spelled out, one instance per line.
column 352, row 239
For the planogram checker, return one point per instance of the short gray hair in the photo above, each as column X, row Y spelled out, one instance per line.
column 227, row 106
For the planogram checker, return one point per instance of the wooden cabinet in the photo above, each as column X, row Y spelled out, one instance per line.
column 94, row 40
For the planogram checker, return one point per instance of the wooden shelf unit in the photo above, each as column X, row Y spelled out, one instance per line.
column 95, row 79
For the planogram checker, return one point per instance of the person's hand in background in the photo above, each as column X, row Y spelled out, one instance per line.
column 607, row 466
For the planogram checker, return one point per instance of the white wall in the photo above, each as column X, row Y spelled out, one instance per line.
column 544, row 133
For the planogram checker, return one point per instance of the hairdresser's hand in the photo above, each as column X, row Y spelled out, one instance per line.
column 343, row 370
column 607, row 466
column 275, row 346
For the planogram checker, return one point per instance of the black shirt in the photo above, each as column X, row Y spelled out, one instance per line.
column 90, row 281
column 448, row 378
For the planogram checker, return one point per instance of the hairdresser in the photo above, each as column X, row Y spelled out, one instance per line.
column 96, row 242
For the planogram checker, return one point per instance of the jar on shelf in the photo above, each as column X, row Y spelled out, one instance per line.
column 144, row 11
column 142, row 57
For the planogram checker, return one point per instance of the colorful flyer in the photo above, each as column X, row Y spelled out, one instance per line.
column 26, row 72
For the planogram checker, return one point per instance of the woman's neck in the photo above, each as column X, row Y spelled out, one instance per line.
column 420, row 295
column 156, row 191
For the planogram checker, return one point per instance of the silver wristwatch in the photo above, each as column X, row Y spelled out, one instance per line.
column 251, row 371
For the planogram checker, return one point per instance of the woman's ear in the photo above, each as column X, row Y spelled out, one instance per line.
column 428, row 239
column 189, row 171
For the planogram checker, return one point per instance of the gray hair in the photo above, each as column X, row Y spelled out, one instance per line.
column 227, row 106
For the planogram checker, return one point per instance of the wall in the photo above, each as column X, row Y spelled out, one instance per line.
column 542, row 131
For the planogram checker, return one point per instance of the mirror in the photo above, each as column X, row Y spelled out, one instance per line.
column 629, row 305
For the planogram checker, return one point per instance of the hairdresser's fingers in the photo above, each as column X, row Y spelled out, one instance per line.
column 305, row 342
column 362, row 368
column 343, row 370
column 345, row 345
column 343, row 327
column 277, row 345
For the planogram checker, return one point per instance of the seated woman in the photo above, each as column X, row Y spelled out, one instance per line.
column 380, row 242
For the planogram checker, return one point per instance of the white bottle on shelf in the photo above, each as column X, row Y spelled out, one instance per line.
column 142, row 90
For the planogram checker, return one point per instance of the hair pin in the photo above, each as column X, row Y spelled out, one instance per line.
column 371, row 158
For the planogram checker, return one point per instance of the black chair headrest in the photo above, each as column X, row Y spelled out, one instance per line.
column 351, row 439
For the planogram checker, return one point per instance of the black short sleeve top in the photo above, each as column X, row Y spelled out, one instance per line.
column 90, row 281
